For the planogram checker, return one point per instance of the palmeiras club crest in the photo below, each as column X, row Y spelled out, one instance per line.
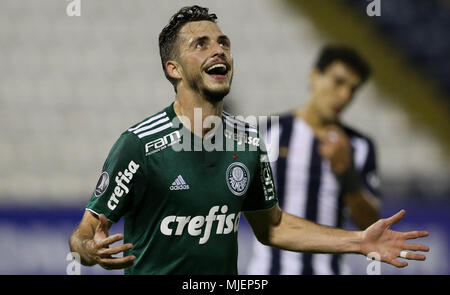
column 238, row 178
column 102, row 184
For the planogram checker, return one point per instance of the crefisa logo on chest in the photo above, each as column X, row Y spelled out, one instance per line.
column 238, row 178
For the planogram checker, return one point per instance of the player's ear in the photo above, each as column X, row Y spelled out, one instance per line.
column 315, row 73
column 173, row 69
column 313, row 76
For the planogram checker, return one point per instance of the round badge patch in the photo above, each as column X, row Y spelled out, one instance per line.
column 102, row 184
column 238, row 178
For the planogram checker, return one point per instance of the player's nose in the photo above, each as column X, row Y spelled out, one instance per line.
column 345, row 94
column 217, row 50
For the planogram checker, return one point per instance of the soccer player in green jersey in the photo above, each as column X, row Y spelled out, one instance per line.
column 181, row 202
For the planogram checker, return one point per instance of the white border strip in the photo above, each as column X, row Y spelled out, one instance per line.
column 240, row 127
column 156, row 130
column 148, row 121
column 87, row 209
column 233, row 119
column 151, row 125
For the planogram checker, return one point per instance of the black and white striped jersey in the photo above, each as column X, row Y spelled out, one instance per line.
column 306, row 187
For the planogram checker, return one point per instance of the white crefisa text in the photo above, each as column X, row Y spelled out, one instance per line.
column 122, row 180
column 226, row 224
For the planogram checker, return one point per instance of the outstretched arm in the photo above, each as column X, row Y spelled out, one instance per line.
column 90, row 239
column 335, row 147
column 279, row 229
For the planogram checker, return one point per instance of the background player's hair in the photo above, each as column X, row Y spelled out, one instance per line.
column 347, row 55
column 168, row 36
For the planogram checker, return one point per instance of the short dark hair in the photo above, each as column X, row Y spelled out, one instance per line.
column 347, row 55
column 168, row 35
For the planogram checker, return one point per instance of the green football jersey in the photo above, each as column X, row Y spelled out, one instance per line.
column 180, row 200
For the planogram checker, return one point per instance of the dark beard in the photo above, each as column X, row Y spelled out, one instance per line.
column 211, row 96
column 215, row 96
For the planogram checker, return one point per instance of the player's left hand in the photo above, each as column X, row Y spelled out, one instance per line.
column 389, row 244
column 335, row 147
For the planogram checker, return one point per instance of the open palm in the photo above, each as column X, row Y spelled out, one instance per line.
column 388, row 244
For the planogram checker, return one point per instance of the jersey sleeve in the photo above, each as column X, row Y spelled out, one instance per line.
column 369, row 173
column 121, row 180
column 261, row 194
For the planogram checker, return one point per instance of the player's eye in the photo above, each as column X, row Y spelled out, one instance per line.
column 200, row 44
column 339, row 81
column 224, row 43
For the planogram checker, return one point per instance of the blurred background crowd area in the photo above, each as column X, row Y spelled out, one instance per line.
column 70, row 85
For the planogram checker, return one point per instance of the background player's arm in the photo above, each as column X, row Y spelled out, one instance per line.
column 364, row 207
column 279, row 229
column 90, row 239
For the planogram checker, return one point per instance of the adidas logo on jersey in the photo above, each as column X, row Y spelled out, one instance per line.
column 179, row 184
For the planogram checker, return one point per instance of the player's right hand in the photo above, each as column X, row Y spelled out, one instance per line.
column 99, row 250
column 335, row 147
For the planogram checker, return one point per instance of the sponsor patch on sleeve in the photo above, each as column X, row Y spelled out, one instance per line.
column 102, row 184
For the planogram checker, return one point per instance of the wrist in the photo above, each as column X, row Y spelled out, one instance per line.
column 349, row 180
column 352, row 243
column 358, row 248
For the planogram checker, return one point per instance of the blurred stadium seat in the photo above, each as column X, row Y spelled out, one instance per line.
column 420, row 29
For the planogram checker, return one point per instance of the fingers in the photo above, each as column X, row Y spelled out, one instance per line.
column 324, row 150
column 334, row 128
column 415, row 256
column 110, row 240
column 107, row 252
column 395, row 218
column 398, row 263
column 416, row 247
column 334, row 140
column 415, row 234
column 412, row 256
column 117, row 263
column 330, row 137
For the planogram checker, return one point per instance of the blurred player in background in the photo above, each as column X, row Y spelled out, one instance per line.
column 324, row 167
column 181, row 207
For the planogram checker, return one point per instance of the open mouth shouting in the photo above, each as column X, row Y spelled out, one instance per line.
column 218, row 70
